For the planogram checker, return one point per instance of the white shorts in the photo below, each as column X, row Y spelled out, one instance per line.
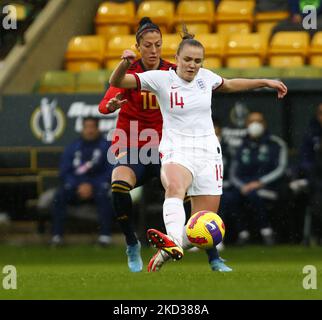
column 207, row 172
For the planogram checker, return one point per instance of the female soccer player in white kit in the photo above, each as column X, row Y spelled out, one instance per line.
column 189, row 149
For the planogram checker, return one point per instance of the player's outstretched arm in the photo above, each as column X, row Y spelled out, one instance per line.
column 234, row 85
column 119, row 78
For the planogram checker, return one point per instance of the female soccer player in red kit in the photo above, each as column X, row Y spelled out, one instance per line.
column 139, row 117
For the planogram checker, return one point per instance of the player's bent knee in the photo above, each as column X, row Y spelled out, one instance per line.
column 175, row 189
column 125, row 174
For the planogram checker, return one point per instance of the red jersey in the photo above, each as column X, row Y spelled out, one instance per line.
column 141, row 112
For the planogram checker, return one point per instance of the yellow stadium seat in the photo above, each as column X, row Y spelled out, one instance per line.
column 234, row 11
column 160, row 12
column 266, row 21
column 212, row 63
column 214, row 45
column 194, row 28
column 315, row 51
column 109, row 31
column 115, row 47
column 85, row 53
column 118, row 44
column 201, row 12
column 316, row 61
column 243, row 62
column 114, row 18
column 111, row 64
column 271, row 16
column 288, row 48
column 115, row 13
column 230, row 28
column 251, row 46
column 265, row 28
column 290, row 42
column 78, row 66
column 284, row 61
column 170, row 43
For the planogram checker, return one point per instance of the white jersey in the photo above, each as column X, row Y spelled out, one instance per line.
column 185, row 108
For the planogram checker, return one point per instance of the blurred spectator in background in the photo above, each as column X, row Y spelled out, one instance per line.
column 309, row 172
column 85, row 175
column 256, row 171
column 298, row 15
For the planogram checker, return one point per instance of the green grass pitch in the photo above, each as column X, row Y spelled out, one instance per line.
column 87, row 272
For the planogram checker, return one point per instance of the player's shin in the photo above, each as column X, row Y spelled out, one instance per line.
column 174, row 218
column 122, row 203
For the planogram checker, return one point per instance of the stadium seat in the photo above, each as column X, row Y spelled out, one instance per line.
column 230, row 28
column 214, row 49
column 285, row 61
column 170, row 43
column 195, row 12
column 234, row 11
column 266, row 21
column 160, row 12
column 92, row 81
column 265, row 28
column 115, row 47
column 316, row 60
column 243, row 62
column 271, row 16
column 288, row 49
column 315, row 51
column 194, row 28
column 114, row 18
column 109, row 31
column 246, row 50
column 57, row 82
column 85, row 53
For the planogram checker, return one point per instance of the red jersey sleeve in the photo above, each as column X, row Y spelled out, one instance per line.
column 110, row 93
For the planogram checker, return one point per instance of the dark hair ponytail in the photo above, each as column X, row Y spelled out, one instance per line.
column 146, row 25
column 188, row 38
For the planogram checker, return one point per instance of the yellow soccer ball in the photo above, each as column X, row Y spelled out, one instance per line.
column 205, row 229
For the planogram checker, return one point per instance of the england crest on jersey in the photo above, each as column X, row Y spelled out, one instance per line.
column 201, row 84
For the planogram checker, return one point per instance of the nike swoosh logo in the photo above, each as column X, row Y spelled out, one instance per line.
column 175, row 87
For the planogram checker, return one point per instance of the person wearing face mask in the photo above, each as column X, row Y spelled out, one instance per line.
column 256, row 170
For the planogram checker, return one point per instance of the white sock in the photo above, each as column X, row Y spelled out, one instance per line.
column 174, row 218
column 186, row 244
